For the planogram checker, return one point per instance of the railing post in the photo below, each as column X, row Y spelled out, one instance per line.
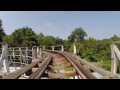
column 5, row 61
column 21, row 58
column 1, row 58
column 40, row 52
column 62, row 48
column 34, row 52
column 43, row 47
column 26, row 54
column 53, row 48
column 74, row 49
column 13, row 53
column 113, row 60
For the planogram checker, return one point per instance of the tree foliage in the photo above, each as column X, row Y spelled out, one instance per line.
column 24, row 37
column 90, row 40
column 2, row 33
column 48, row 41
column 77, row 35
column 58, row 41
column 40, row 38
column 9, row 39
column 115, row 38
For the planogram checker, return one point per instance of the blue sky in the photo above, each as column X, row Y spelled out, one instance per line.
column 97, row 24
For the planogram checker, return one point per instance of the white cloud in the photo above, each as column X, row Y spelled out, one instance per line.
column 48, row 24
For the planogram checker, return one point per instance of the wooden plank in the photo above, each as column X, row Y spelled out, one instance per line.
column 74, row 49
column 34, row 53
column 92, row 67
column 21, row 50
column 3, row 43
column 80, row 68
column 5, row 61
column 116, row 42
column 53, row 48
column 117, row 51
column 37, row 74
column 62, row 48
column 19, row 72
column 113, row 59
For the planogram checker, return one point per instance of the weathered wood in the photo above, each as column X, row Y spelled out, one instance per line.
column 13, row 53
column 43, row 47
column 5, row 61
column 116, row 50
column 20, row 56
column 92, row 67
column 116, row 42
column 40, row 53
column 3, row 43
column 22, row 50
column 34, row 53
column 113, row 60
column 74, row 49
column 38, row 50
column 34, row 69
column 26, row 54
column 37, row 74
column 1, row 59
column 62, row 48
column 21, row 53
column 53, row 48
column 19, row 72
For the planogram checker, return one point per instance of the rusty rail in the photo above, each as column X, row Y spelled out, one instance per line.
column 37, row 74
column 79, row 68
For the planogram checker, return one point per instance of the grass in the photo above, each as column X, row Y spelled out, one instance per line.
column 68, row 69
column 106, row 64
column 65, row 64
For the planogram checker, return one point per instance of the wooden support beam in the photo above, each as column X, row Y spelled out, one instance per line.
column 1, row 59
column 115, row 56
column 40, row 53
column 5, row 61
column 26, row 54
column 93, row 67
column 13, row 53
column 20, row 57
column 74, row 48
column 62, row 48
column 117, row 51
column 34, row 69
column 18, row 73
column 34, row 52
column 53, row 48
column 116, row 42
column 38, row 50
column 43, row 47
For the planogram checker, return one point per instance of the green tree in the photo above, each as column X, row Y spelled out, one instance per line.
column 91, row 40
column 48, row 41
column 115, row 38
column 2, row 33
column 9, row 39
column 24, row 37
column 66, row 45
column 77, row 35
column 58, row 41
column 40, row 38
